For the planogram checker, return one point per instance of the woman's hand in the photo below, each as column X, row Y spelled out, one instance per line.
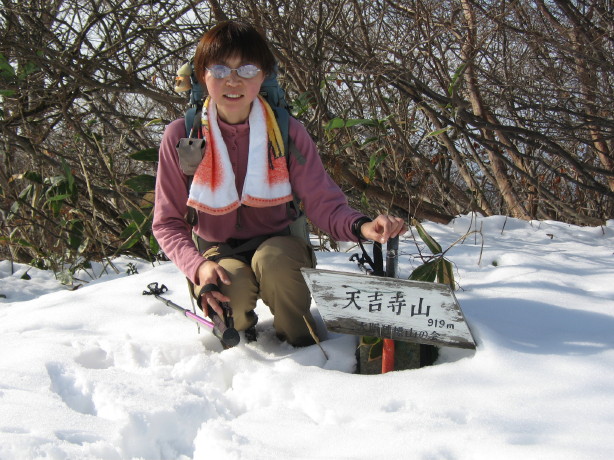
column 383, row 228
column 210, row 272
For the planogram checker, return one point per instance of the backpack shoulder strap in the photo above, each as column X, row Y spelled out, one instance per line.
column 191, row 153
column 193, row 121
column 294, row 151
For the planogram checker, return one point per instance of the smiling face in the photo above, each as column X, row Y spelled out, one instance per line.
column 233, row 94
column 233, row 43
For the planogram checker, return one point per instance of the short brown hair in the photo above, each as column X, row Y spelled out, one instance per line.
column 231, row 38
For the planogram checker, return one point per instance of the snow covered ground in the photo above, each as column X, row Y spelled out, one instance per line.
column 103, row 372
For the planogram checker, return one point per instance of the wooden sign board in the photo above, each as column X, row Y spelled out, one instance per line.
column 392, row 308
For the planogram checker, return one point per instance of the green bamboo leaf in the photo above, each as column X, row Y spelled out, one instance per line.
column 428, row 239
column 154, row 247
column 14, row 209
column 438, row 132
column 142, row 183
column 359, row 121
column 367, row 340
column 27, row 69
column 376, row 350
column 335, row 123
column 145, row 155
column 155, row 121
column 374, row 345
column 135, row 215
column 70, row 179
column 22, row 243
column 131, row 242
column 426, row 272
column 445, row 273
column 75, row 234
column 131, row 234
column 6, row 69
column 455, row 79
column 60, row 197
column 369, row 140
column 33, row 177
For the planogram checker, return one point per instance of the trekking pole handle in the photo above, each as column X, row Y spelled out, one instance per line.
column 392, row 257
column 226, row 333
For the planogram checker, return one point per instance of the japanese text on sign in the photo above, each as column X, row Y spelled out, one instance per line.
column 393, row 301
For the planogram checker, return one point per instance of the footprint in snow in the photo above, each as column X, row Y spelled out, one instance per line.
column 74, row 391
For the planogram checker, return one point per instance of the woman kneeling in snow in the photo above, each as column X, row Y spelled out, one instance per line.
column 244, row 249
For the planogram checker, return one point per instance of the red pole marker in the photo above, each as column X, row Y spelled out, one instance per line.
column 388, row 356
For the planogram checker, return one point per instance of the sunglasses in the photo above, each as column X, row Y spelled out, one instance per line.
column 223, row 71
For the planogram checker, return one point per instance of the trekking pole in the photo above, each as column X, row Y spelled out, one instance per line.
column 392, row 250
column 392, row 265
column 377, row 269
column 228, row 336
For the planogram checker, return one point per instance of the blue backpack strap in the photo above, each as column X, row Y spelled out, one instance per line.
column 276, row 98
column 197, row 92
column 192, row 129
column 197, row 96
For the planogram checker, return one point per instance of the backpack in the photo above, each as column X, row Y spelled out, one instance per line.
column 191, row 148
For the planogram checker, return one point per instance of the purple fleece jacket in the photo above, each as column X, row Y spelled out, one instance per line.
column 324, row 202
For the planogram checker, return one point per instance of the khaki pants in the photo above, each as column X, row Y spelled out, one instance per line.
column 274, row 276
